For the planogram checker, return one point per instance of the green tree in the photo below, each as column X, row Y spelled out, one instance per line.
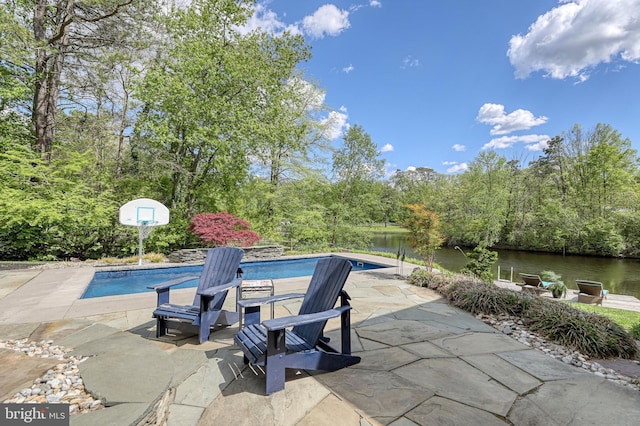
column 480, row 264
column 483, row 199
column 204, row 101
column 303, row 218
column 64, row 34
column 222, row 229
column 58, row 217
column 355, row 168
column 424, row 228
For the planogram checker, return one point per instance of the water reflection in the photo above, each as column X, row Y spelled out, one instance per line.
column 620, row 276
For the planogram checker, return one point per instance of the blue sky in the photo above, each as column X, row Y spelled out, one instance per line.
column 434, row 83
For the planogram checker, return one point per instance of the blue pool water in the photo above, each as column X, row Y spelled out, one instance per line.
column 112, row 283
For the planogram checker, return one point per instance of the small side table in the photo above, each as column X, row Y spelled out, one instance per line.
column 255, row 288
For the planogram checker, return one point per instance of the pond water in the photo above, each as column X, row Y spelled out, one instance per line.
column 619, row 276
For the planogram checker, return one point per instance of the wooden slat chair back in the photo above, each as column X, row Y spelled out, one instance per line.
column 218, row 269
column 591, row 291
column 531, row 279
column 322, row 294
column 218, row 276
column 276, row 347
column 532, row 283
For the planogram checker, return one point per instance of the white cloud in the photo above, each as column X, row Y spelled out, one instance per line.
column 372, row 3
column 335, row 123
column 456, row 167
column 459, row 148
column 267, row 21
column 348, row 69
column 572, row 38
column 327, row 20
column 532, row 142
column 503, row 123
column 410, row 62
column 411, row 169
column 387, row 148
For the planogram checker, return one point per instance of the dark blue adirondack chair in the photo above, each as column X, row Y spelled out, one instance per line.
column 219, row 275
column 275, row 347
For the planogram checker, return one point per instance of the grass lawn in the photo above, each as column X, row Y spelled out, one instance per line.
column 379, row 228
column 627, row 319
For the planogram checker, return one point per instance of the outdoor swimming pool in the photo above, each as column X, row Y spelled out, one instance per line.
column 113, row 283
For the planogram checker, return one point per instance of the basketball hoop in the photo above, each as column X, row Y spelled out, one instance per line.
column 145, row 214
column 145, row 227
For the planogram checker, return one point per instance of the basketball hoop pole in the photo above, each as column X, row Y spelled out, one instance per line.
column 140, row 238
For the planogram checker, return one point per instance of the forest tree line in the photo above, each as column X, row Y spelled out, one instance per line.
column 105, row 101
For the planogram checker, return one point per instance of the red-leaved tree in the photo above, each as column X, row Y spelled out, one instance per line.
column 223, row 229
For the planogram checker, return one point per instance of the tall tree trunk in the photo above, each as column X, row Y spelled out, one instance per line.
column 50, row 54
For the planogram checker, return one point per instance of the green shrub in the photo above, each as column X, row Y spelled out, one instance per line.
column 481, row 260
column 442, row 283
column 421, row 277
column 635, row 331
column 590, row 334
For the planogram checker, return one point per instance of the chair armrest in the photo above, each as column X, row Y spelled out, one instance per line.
column 280, row 323
column 168, row 284
column 257, row 301
column 212, row 291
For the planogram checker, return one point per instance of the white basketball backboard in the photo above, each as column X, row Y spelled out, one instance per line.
column 144, row 211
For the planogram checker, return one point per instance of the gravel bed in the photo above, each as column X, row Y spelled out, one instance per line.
column 60, row 384
column 514, row 327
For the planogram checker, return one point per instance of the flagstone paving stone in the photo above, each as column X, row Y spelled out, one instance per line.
column 442, row 411
column 17, row 371
column 542, row 366
column 478, row 343
column 504, row 372
column 586, row 400
column 400, row 332
column 386, row 359
column 455, row 379
column 427, row 350
column 384, row 396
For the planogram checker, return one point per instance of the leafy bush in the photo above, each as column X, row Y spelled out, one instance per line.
column 480, row 297
column 590, row 334
column 441, row 283
column 422, row 278
column 480, row 263
column 557, row 287
column 424, row 232
column 635, row 331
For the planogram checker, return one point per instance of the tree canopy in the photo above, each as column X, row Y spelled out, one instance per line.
column 105, row 101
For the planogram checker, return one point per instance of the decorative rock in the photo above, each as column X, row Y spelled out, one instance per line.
column 60, row 384
column 95, row 404
column 566, row 355
column 250, row 253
